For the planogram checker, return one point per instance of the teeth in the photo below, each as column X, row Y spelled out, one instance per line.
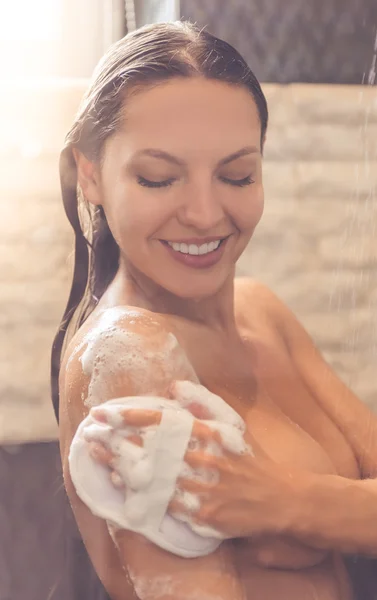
column 193, row 248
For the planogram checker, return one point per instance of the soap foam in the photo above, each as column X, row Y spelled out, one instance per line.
column 129, row 347
column 143, row 507
column 152, row 588
column 188, row 392
column 136, row 465
column 149, row 472
column 160, row 587
column 224, row 419
column 146, row 362
column 190, row 501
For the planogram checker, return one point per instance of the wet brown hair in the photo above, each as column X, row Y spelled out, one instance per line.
column 151, row 54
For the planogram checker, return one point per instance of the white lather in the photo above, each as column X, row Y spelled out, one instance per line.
column 150, row 472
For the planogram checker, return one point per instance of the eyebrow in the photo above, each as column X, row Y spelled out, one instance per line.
column 243, row 152
column 161, row 154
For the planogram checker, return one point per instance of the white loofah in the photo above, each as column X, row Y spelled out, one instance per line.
column 149, row 472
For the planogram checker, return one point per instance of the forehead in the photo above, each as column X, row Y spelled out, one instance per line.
column 195, row 113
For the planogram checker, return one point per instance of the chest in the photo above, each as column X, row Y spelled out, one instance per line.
column 260, row 382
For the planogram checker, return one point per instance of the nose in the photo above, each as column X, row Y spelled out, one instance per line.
column 201, row 208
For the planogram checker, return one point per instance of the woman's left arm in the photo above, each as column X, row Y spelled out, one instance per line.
column 334, row 512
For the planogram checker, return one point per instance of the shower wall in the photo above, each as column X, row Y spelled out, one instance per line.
column 287, row 41
column 315, row 246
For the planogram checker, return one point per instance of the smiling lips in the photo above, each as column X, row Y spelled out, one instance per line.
column 197, row 253
column 195, row 249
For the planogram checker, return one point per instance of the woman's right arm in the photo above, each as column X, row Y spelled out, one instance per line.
column 124, row 561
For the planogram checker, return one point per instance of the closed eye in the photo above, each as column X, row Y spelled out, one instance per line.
column 238, row 182
column 167, row 182
column 155, row 184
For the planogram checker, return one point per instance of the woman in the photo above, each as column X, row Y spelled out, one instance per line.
column 167, row 150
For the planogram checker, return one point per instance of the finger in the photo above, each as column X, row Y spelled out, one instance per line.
column 100, row 453
column 134, row 417
column 194, row 486
column 192, row 397
column 177, row 509
column 198, row 410
column 135, row 439
column 184, row 504
column 202, row 474
column 145, row 417
column 99, row 414
column 203, row 433
column 116, row 480
column 202, row 460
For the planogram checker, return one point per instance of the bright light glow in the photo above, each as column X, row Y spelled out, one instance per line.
column 30, row 20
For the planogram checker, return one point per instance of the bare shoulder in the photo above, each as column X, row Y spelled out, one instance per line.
column 121, row 352
column 118, row 352
column 92, row 370
column 248, row 288
column 252, row 295
column 103, row 324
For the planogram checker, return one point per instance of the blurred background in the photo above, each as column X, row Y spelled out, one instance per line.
column 316, row 245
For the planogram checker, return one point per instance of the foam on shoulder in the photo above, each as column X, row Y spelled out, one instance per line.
column 129, row 346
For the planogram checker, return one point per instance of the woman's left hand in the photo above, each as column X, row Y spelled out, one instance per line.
column 245, row 496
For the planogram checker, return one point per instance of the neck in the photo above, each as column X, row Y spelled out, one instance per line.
column 217, row 311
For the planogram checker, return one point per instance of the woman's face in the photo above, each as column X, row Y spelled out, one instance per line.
column 181, row 183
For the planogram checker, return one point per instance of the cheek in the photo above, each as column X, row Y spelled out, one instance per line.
column 251, row 212
column 120, row 222
column 259, row 205
column 124, row 209
column 134, row 216
column 124, row 223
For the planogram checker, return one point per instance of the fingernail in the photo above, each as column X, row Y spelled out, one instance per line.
column 99, row 414
column 198, row 410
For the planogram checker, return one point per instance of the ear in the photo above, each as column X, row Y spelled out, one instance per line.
column 88, row 177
